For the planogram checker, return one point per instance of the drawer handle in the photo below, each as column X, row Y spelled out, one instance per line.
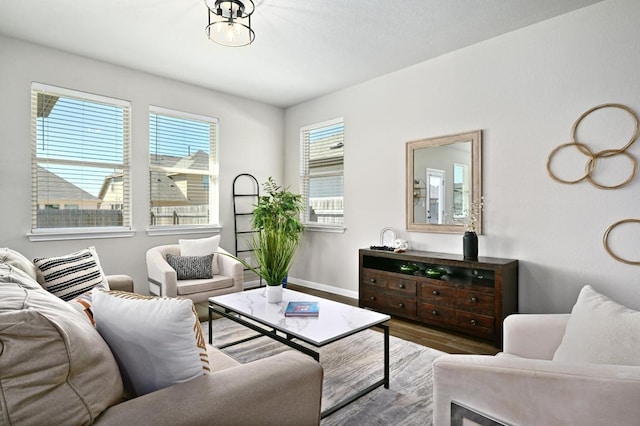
column 435, row 292
column 435, row 313
column 373, row 280
column 474, row 299
column 373, row 298
column 473, row 322
column 401, row 285
column 400, row 305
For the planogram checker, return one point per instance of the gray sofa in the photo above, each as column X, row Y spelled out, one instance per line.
column 56, row 369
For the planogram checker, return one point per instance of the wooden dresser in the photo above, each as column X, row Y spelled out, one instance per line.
column 471, row 297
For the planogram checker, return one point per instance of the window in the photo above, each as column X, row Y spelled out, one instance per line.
column 182, row 165
column 322, row 173
column 80, row 160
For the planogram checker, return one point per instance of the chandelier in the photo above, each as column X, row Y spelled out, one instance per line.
column 230, row 22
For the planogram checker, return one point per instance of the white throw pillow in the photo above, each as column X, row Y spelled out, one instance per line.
column 600, row 331
column 71, row 275
column 202, row 247
column 157, row 341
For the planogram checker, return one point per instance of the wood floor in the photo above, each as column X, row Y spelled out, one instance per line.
column 439, row 339
column 445, row 341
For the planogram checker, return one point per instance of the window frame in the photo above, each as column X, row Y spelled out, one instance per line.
column 305, row 177
column 212, row 173
column 72, row 233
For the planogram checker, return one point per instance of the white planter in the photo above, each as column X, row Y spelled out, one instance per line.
column 274, row 293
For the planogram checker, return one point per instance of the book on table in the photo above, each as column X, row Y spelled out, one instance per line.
column 302, row 309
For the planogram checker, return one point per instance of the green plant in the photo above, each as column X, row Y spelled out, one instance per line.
column 274, row 252
column 276, row 220
column 279, row 209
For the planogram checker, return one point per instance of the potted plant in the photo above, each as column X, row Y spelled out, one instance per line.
column 470, row 238
column 279, row 209
column 276, row 220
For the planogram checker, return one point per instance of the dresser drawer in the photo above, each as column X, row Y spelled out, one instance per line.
column 476, row 302
column 371, row 297
column 374, row 278
column 400, row 305
column 436, row 314
column 437, row 294
column 405, row 286
column 477, row 323
column 400, row 284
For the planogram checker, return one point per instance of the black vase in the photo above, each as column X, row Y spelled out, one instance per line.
column 470, row 245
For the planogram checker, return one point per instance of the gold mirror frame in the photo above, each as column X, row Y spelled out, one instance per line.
column 475, row 138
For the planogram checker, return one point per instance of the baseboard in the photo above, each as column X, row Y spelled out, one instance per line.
column 324, row 287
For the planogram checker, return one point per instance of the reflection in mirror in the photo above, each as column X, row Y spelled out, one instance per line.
column 444, row 183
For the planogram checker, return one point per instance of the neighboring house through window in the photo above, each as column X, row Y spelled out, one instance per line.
column 182, row 164
column 322, row 174
column 80, row 145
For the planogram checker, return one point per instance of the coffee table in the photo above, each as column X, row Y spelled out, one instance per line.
column 334, row 322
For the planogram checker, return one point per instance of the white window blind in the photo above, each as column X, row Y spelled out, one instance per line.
column 80, row 160
column 182, row 165
column 322, row 173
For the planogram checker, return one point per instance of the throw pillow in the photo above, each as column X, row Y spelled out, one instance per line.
column 55, row 368
column 202, row 247
column 19, row 261
column 156, row 341
column 191, row 267
column 72, row 275
column 600, row 331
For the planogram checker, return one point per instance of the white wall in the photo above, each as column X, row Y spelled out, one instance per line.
column 251, row 140
column 524, row 90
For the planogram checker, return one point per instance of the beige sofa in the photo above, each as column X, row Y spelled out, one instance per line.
column 524, row 386
column 56, row 369
column 163, row 280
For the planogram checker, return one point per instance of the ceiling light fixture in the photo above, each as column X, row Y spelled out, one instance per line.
column 230, row 22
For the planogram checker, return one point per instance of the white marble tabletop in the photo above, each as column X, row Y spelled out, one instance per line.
column 334, row 321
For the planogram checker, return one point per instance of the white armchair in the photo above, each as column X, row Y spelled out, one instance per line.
column 523, row 386
column 163, row 279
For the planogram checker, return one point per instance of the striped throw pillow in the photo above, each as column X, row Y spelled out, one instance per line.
column 72, row 275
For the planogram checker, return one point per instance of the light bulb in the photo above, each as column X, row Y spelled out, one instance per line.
column 230, row 33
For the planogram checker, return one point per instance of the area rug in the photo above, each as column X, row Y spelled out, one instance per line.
column 352, row 364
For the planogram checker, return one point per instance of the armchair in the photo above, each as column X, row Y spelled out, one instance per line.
column 524, row 386
column 163, row 279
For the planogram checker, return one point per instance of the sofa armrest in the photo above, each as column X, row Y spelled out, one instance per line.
column 523, row 391
column 534, row 335
column 284, row 389
column 161, row 273
column 120, row 282
column 230, row 267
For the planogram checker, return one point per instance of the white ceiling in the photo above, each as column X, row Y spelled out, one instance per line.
column 303, row 48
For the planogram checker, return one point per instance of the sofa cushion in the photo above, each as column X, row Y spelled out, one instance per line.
column 219, row 360
column 186, row 287
column 54, row 367
column 600, row 331
column 156, row 341
column 191, row 267
column 19, row 261
column 71, row 275
column 202, row 247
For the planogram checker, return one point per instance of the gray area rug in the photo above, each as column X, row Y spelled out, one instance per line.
column 352, row 364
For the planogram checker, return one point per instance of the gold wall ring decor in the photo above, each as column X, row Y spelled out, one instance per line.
column 605, row 241
column 610, row 152
column 588, row 168
column 591, row 156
